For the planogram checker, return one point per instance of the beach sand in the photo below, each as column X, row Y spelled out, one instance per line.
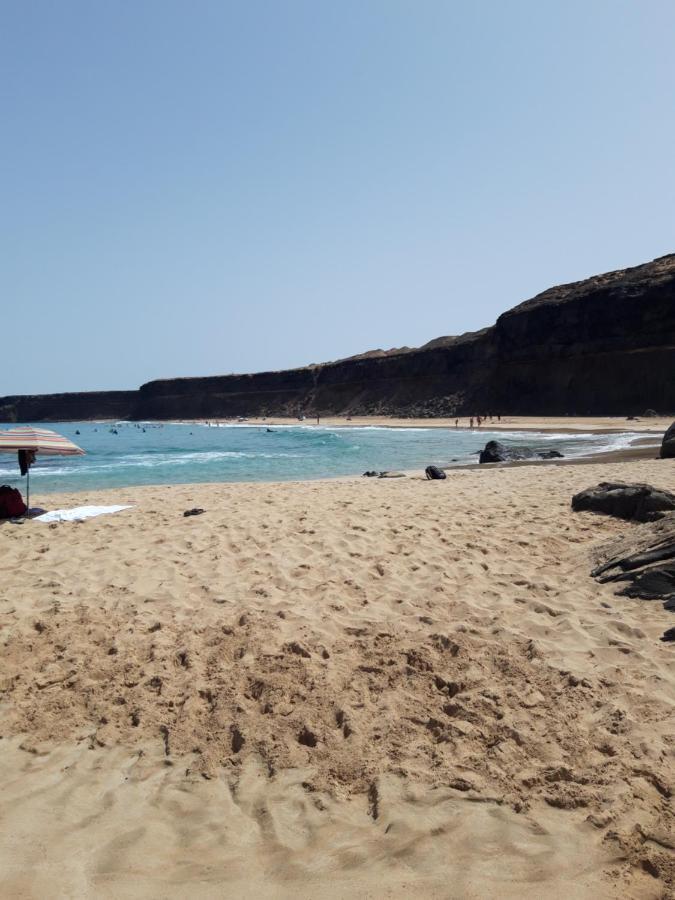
column 349, row 688
column 559, row 424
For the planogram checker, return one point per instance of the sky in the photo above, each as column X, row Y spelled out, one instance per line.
column 195, row 188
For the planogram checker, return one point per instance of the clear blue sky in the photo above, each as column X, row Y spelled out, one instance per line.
column 191, row 188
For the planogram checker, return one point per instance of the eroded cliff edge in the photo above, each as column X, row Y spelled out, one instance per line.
column 605, row 345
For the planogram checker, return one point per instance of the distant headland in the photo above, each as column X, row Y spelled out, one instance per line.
column 602, row 346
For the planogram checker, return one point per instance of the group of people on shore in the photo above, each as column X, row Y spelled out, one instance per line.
column 479, row 420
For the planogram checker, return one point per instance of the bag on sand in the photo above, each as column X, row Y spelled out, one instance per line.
column 434, row 472
column 11, row 503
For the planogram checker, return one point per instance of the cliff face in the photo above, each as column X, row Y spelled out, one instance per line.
column 68, row 407
column 605, row 345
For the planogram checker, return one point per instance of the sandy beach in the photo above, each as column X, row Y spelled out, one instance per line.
column 329, row 689
column 317, row 636
column 656, row 425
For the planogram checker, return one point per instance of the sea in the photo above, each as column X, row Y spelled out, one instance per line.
column 125, row 454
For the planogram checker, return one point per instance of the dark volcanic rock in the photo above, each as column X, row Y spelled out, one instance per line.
column 642, row 562
column 496, row 452
column 493, row 452
column 69, row 407
column 599, row 346
column 668, row 445
column 641, row 502
column 652, row 584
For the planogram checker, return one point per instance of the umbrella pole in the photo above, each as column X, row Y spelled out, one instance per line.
column 28, row 487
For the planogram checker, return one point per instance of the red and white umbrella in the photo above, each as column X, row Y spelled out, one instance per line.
column 29, row 442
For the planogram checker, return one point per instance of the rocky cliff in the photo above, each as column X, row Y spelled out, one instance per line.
column 605, row 345
column 74, row 407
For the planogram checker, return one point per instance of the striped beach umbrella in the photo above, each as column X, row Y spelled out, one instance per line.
column 28, row 442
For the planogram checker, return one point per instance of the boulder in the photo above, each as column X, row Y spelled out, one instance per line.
column 668, row 445
column 641, row 502
column 495, row 451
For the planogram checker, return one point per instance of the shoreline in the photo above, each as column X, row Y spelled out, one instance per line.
column 623, row 457
column 545, row 424
column 623, row 454
column 608, row 457
column 642, row 448
column 644, row 445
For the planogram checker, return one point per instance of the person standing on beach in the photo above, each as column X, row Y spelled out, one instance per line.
column 471, row 422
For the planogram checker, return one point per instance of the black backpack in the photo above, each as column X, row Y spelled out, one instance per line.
column 433, row 472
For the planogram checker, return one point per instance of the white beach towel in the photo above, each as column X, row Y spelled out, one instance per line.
column 77, row 514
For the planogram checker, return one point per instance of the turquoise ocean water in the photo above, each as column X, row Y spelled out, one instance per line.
column 148, row 453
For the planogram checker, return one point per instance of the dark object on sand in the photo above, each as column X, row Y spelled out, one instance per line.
column 640, row 502
column 642, row 562
column 668, row 445
column 654, row 584
column 196, row 511
column 371, row 474
column 496, row 452
column 433, row 473
column 11, row 503
column 668, row 635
